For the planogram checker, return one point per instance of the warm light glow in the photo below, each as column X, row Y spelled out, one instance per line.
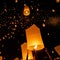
column 16, row 58
column 24, row 51
column 1, row 57
column 43, row 25
column 57, row 49
column 30, row 55
column 57, row 1
column 26, row 11
column 34, row 38
column 53, row 10
column 16, row 1
column 35, row 47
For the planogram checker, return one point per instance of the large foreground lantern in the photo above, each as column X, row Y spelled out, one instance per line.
column 26, row 52
column 34, row 38
column 57, row 49
column 26, row 11
column 30, row 55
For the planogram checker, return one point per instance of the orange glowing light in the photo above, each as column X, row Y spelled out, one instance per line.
column 1, row 57
column 24, row 50
column 34, row 38
column 26, row 11
column 57, row 49
column 57, row 1
column 16, row 1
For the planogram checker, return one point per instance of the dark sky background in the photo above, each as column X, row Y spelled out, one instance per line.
column 13, row 24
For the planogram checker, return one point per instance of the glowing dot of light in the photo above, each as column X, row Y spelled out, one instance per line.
column 48, row 34
column 2, row 45
column 37, row 9
column 8, row 34
column 3, row 38
column 12, row 32
column 0, row 39
column 0, row 52
column 5, row 10
column 44, row 20
column 43, row 25
column 53, row 10
column 5, row 35
column 8, row 37
column 52, row 51
column 15, row 25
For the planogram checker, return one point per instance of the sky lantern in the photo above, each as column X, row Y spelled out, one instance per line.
column 57, row 49
column 30, row 55
column 34, row 38
column 24, row 51
column 1, row 57
column 26, row 11
column 57, row 1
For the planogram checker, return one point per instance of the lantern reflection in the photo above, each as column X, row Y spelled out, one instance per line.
column 34, row 39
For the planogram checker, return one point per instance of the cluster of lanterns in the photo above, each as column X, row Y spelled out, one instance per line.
column 34, row 42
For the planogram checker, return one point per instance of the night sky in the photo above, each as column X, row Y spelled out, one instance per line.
column 44, row 13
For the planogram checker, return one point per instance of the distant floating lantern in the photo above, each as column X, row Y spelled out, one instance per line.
column 16, row 1
column 57, row 1
column 57, row 49
column 26, row 11
column 34, row 38
column 1, row 57
column 25, row 52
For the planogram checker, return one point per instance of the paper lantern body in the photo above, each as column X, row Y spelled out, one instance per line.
column 34, row 39
column 24, row 51
column 57, row 49
column 1, row 58
column 30, row 55
column 26, row 11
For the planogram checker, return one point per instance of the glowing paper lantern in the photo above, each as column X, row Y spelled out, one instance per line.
column 57, row 1
column 1, row 57
column 30, row 55
column 57, row 49
column 34, row 39
column 24, row 51
column 26, row 11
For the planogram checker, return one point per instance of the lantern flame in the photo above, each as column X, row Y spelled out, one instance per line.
column 35, row 47
column 26, row 11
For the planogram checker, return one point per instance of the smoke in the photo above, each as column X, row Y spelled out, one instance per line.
column 54, row 21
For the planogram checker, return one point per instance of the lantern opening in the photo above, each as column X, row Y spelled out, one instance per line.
column 35, row 47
